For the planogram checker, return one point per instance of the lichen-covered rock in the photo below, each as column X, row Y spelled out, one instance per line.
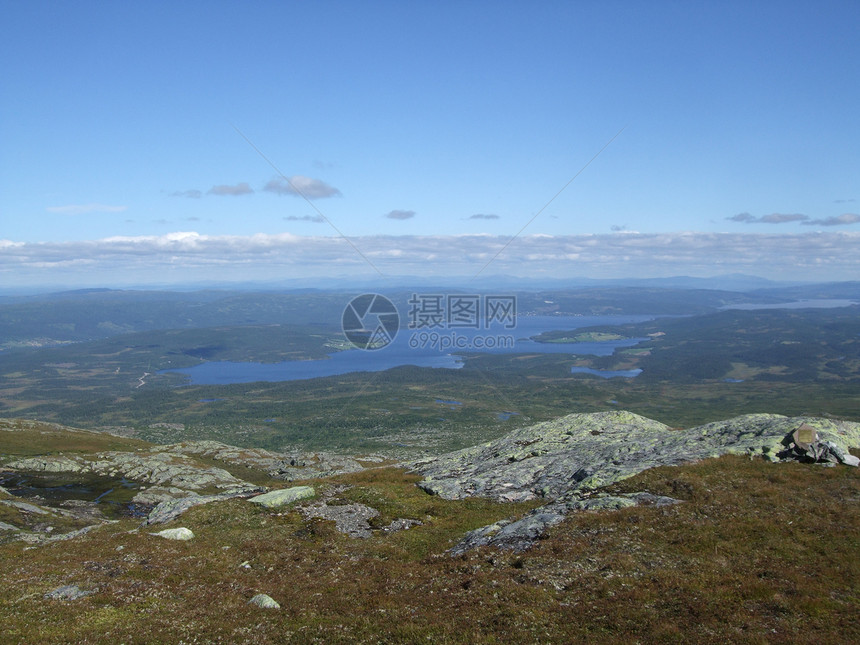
column 164, row 468
column 49, row 464
column 158, row 468
column 288, row 466
column 821, row 451
column 26, row 507
column 170, row 509
column 514, row 536
column 278, row 498
column 264, row 601
column 181, row 533
column 604, row 502
column 522, row 534
column 67, row 592
column 158, row 494
column 580, row 453
column 565, row 461
column 350, row 519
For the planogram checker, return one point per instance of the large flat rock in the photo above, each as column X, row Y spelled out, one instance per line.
column 579, row 453
column 278, row 498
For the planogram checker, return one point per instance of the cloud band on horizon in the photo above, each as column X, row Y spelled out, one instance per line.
column 782, row 218
column 184, row 255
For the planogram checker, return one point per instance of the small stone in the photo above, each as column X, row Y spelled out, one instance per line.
column 264, row 601
column 176, row 534
column 401, row 524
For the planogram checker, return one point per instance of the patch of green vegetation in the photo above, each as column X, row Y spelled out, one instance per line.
column 635, row 351
column 793, row 361
column 584, row 337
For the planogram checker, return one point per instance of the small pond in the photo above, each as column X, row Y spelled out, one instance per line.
column 113, row 496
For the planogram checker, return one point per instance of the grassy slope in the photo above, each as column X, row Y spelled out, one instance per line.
column 757, row 553
column 24, row 438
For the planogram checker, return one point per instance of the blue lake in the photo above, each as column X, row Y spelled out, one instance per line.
column 440, row 348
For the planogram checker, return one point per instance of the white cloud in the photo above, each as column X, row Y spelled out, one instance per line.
column 484, row 216
column 186, row 255
column 773, row 218
column 239, row 189
column 301, row 186
column 317, row 219
column 742, row 217
column 192, row 193
column 398, row 214
column 840, row 220
column 782, row 218
column 80, row 209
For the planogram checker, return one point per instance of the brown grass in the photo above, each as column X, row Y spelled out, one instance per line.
column 757, row 553
column 25, row 438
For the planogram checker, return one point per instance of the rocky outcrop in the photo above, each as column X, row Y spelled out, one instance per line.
column 286, row 466
column 567, row 460
column 807, row 444
column 351, row 519
column 177, row 481
column 521, row 534
column 170, row 509
column 580, row 453
column 36, row 524
column 164, row 469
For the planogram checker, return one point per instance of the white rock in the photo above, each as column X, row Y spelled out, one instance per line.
column 176, row 534
column 265, row 601
column 277, row 498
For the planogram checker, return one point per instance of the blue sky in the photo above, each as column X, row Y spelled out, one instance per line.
column 144, row 142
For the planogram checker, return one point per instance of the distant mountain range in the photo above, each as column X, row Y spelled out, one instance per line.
column 728, row 282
